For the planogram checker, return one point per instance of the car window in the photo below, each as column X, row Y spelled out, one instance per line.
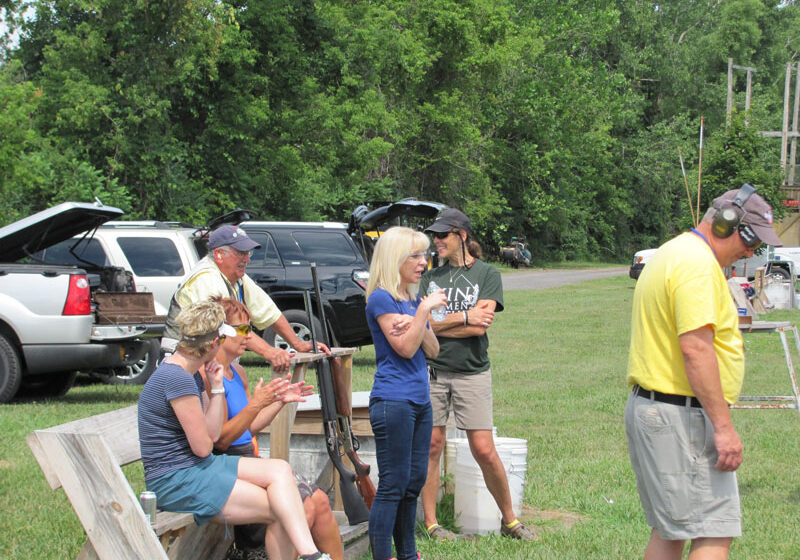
column 152, row 256
column 267, row 254
column 329, row 248
column 91, row 251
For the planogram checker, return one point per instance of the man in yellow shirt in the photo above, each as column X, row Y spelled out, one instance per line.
column 223, row 273
column 686, row 367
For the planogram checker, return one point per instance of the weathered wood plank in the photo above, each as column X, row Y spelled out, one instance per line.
column 281, row 426
column 101, row 496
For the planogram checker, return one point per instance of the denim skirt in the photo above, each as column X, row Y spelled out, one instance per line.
column 201, row 489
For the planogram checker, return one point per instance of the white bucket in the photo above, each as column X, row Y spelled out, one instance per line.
column 780, row 294
column 514, row 455
column 475, row 509
column 451, row 446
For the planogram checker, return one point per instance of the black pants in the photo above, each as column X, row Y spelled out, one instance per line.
column 251, row 536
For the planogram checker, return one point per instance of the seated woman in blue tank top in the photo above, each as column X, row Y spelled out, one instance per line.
column 248, row 415
column 179, row 423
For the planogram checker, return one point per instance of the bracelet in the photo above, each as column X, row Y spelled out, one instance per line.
column 466, row 319
column 218, row 391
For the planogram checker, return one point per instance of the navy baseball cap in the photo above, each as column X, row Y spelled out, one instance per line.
column 232, row 236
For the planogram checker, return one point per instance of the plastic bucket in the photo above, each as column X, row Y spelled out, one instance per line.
column 451, row 446
column 514, row 455
column 475, row 509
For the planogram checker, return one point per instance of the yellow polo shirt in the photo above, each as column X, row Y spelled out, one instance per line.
column 681, row 289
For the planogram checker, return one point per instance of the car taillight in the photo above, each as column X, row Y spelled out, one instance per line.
column 361, row 277
column 78, row 297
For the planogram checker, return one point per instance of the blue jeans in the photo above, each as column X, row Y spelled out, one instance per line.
column 402, row 443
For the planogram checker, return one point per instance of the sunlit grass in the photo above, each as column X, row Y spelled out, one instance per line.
column 559, row 359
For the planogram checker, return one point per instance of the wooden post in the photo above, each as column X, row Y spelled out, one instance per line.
column 793, row 153
column 281, row 427
column 729, row 104
column 785, row 128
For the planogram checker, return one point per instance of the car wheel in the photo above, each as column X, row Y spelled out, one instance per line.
column 780, row 271
column 138, row 372
column 10, row 370
column 298, row 320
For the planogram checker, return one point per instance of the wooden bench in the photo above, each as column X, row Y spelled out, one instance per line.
column 84, row 457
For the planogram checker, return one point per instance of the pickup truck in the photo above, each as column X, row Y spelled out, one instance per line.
column 781, row 261
column 49, row 329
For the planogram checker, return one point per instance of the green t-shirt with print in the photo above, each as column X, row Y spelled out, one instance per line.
column 464, row 287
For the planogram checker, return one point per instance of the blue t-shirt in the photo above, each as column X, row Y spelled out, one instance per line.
column 163, row 442
column 397, row 378
column 236, row 399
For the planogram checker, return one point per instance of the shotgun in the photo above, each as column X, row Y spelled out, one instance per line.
column 354, row 507
column 350, row 442
column 341, row 393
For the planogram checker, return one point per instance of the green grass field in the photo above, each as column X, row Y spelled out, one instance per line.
column 559, row 360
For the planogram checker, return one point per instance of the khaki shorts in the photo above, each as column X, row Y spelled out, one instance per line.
column 469, row 395
column 673, row 455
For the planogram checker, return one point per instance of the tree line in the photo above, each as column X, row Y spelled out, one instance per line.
column 559, row 121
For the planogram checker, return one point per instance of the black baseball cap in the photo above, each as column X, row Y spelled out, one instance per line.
column 448, row 220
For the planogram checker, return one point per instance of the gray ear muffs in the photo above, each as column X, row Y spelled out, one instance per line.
column 728, row 220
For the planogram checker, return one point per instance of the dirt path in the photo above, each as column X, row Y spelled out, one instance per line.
column 541, row 279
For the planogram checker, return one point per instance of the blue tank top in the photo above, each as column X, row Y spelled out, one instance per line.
column 236, row 397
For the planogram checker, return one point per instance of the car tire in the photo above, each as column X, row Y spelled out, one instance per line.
column 137, row 373
column 298, row 320
column 10, row 370
column 780, row 271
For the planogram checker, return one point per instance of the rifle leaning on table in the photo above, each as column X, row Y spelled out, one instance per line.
column 341, row 392
column 354, row 507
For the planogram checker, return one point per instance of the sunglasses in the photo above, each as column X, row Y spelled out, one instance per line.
column 442, row 234
column 243, row 329
column 749, row 237
column 416, row 256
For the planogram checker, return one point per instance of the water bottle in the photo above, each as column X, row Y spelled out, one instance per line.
column 437, row 313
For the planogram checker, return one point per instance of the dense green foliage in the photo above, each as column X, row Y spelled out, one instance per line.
column 560, row 121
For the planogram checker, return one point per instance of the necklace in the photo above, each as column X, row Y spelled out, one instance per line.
column 454, row 270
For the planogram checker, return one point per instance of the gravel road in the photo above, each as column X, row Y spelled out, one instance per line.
column 541, row 279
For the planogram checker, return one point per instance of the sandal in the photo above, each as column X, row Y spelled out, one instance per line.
column 517, row 531
column 439, row 533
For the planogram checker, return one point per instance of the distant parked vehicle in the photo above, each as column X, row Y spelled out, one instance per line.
column 516, row 253
column 777, row 263
column 776, row 259
column 640, row 259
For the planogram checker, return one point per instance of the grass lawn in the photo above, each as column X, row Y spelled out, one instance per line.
column 559, row 358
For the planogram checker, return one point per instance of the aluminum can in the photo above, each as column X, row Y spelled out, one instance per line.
column 148, row 502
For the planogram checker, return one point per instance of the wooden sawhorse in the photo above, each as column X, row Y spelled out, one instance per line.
column 765, row 402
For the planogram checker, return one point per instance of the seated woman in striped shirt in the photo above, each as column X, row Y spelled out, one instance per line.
column 178, row 425
column 248, row 414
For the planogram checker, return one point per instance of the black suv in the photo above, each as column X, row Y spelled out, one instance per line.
column 281, row 268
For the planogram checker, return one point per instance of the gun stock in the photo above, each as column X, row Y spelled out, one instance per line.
column 354, row 506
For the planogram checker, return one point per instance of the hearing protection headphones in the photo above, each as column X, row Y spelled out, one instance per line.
column 728, row 220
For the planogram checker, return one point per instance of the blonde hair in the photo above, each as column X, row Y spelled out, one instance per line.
column 196, row 320
column 392, row 248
